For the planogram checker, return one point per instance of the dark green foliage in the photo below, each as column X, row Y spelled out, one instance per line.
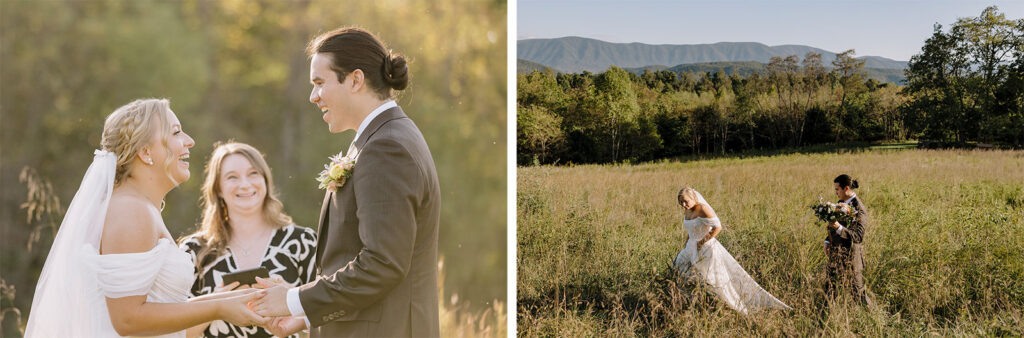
column 966, row 83
column 618, row 116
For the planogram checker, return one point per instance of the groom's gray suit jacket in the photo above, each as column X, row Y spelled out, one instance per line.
column 377, row 250
column 846, row 253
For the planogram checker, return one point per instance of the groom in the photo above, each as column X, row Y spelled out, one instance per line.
column 376, row 259
column 843, row 245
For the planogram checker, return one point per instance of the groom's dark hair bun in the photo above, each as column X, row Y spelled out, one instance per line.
column 352, row 48
column 845, row 180
column 396, row 73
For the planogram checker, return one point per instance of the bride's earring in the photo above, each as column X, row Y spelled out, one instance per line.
column 149, row 161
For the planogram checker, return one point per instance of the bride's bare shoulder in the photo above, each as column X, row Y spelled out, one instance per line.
column 703, row 211
column 129, row 225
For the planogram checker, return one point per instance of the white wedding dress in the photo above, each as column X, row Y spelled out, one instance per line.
column 164, row 274
column 70, row 294
column 715, row 266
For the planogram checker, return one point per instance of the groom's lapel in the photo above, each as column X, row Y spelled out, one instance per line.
column 325, row 211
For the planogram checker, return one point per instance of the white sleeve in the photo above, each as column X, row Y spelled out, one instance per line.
column 294, row 304
column 129, row 274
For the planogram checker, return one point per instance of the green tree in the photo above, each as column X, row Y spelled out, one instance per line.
column 539, row 127
column 988, row 42
column 540, row 135
column 848, row 72
column 617, row 101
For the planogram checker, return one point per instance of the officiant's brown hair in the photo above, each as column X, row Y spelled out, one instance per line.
column 352, row 48
column 215, row 227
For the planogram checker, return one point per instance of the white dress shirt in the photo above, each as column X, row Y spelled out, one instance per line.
column 294, row 304
column 369, row 118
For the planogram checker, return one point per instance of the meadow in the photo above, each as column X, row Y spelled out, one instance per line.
column 944, row 249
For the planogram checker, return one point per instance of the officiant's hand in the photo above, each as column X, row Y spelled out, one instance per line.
column 266, row 283
column 233, row 286
column 272, row 301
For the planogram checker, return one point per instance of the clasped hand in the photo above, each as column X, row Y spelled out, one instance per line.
column 262, row 304
column 271, row 301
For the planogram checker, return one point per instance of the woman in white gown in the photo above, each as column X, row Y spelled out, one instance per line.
column 707, row 260
column 113, row 269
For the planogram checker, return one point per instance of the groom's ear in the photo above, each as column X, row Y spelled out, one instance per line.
column 358, row 80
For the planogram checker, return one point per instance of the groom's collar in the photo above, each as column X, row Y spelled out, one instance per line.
column 369, row 118
column 850, row 200
column 395, row 112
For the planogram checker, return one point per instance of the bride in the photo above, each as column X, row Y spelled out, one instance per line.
column 707, row 260
column 113, row 269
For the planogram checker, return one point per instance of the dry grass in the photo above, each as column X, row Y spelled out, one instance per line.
column 458, row 319
column 944, row 248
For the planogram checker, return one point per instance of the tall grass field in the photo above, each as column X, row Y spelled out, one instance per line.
column 944, row 246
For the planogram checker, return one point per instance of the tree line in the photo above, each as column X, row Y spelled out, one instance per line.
column 966, row 85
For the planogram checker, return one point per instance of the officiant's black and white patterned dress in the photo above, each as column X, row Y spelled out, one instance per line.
column 290, row 255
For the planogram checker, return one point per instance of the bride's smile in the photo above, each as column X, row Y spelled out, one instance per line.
column 175, row 145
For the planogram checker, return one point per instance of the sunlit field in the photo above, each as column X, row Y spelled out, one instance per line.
column 943, row 249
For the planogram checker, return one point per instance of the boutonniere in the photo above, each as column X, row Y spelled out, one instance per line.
column 336, row 172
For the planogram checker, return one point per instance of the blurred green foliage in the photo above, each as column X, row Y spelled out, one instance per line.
column 237, row 70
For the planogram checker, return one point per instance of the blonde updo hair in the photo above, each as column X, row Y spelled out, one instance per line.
column 131, row 127
column 688, row 192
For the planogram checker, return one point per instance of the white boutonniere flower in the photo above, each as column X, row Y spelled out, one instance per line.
column 336, row 172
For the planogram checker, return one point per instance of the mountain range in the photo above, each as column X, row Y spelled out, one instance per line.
column 576, row 54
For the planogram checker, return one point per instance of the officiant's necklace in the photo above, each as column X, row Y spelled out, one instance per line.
column 245, row 250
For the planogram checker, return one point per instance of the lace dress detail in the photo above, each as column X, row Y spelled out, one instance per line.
column 715, row 266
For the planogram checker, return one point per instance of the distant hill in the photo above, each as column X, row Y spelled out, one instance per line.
column 576, row 54
column 526, row 67
column 744, row 69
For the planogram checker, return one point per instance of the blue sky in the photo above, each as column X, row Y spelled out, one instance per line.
column 893, row 29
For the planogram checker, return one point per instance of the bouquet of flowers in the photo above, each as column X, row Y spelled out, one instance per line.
column 838, row 212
